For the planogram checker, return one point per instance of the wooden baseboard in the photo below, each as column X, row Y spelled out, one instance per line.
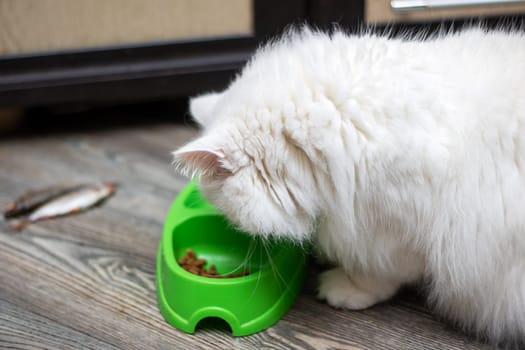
column 10, row 118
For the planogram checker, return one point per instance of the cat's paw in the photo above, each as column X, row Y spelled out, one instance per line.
column 339, row 291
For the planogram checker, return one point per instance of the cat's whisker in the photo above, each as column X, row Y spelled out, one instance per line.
column 259, row 272
column 275, row 270
column 251, row 250
column 245, row 262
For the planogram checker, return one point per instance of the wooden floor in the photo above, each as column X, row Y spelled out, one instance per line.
column 88, row 281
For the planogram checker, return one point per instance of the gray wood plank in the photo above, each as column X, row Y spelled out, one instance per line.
column 24, row 330
column 93, row 275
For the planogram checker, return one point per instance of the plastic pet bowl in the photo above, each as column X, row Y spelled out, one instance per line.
column 247, row 304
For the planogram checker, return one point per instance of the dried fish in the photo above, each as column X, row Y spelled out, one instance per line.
column 70, row 203
column 31, row 200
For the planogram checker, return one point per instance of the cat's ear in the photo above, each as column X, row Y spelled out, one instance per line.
column 202, row 106
column 198, row 158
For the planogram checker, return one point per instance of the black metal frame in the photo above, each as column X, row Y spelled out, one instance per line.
column 327, row 14
column 125, row 73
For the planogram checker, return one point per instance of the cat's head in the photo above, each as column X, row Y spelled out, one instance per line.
column 250, row 168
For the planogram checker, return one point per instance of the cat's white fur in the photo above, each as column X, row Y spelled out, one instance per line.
column 402, row 159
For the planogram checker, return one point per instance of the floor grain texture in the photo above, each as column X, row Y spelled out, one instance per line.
column 88, row 281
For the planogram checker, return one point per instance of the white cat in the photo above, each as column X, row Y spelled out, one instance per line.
column 403, row 159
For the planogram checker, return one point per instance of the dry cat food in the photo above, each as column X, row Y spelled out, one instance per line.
column 189, row 262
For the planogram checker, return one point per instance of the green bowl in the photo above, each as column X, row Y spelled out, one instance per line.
column 247, row 304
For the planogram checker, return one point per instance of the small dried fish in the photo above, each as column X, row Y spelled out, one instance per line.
column 31, row 200
column 70, row 203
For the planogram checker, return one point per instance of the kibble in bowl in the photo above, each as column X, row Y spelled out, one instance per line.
column 190, row 263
